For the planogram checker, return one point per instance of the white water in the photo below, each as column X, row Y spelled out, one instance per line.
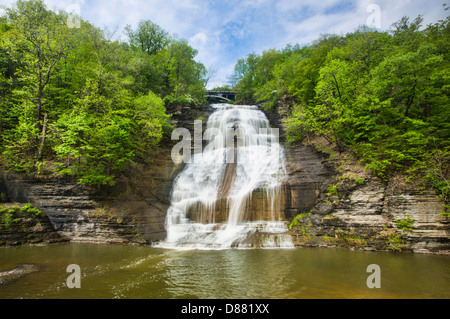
column 211, row 198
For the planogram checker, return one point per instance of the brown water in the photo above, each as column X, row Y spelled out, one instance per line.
column 116, row 271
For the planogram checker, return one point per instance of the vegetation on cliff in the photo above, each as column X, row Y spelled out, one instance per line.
column 22, row 224
column 383, row 95
column 76, row 102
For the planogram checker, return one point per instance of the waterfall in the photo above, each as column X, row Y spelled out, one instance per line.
column 213, row 198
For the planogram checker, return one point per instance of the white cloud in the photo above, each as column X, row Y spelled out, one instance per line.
column 224, row 31
column 199, row 39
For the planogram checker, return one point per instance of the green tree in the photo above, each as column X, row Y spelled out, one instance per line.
column 45, row 39
column 181, row 75
column 412, row 80
column 149, row 37
column 245, row 75
column 335, row 91
column 150, row 124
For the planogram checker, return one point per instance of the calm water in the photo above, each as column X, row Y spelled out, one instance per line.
column 115, row 271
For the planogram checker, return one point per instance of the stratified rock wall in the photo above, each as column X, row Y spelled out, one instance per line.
column 430, row 229
column 362, row 214
column 132, row 212
column 308, row 171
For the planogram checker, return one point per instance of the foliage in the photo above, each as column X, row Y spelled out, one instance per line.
column 383, row 95
column 102, row 98
column 299, row 220
column 149, row 37
column 7, row 220
column 182, row 101
column 391, row 239
column 222, row 88
column 19, row 217
column 332, row 190
column 349, row 238
column 405, row 224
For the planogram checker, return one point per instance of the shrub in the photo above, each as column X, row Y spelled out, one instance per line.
column 332, row 190
column 405, row 224
column 180, row 101
column 7, row 220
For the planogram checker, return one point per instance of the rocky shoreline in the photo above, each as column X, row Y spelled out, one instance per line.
column 23, row 224
column 8, row 276
column 362, row 212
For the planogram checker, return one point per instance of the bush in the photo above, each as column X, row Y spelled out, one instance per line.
column 332, row 190
column 7, row 220
column 405, row 224
column 181, row 101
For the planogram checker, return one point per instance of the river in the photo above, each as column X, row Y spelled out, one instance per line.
column 121, row 271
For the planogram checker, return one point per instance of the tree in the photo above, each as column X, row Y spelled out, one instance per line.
column 45, row 39
column 181, row 75
column 410, row 80
column 406, row 34
column 149, row 37
column 150, row 123
column 244, row 75
column 335, row 91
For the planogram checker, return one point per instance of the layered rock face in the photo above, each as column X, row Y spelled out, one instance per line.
column 335, row 206
column 19, row 226
column 131, row 212
column 308, row 172
column 373, row 216
column 430, row 230
column 329, row 207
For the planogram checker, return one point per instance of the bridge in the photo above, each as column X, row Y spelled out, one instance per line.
column 221, row 96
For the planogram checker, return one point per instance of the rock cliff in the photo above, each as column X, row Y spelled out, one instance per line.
column 133, row 211
column 328, row 200
column 332, row 201
column 25, row 225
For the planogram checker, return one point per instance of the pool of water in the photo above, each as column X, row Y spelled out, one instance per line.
column 116, row 271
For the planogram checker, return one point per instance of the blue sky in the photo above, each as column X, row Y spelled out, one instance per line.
column 224, row 31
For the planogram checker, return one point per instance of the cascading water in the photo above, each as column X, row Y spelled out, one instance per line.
column 212, row 204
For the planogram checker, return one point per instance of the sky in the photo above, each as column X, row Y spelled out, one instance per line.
column 224, row 31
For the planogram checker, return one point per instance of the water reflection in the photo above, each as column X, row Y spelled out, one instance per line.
column 229, row 274
column 145, row 272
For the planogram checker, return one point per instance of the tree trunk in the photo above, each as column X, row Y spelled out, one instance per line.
column 38, row 108
column 44, row 128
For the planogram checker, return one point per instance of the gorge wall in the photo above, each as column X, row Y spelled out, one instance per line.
column 332, row 201
column 133, row 211
column 339, row 208
column 327, row 201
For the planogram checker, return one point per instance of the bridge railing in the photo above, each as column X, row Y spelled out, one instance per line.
column 230, row 95
column 223, row 91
